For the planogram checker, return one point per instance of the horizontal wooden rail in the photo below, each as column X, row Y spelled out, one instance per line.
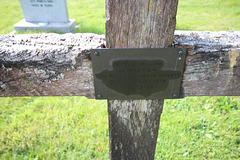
column 60, row 65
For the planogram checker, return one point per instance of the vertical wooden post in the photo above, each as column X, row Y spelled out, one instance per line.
column 133, row 125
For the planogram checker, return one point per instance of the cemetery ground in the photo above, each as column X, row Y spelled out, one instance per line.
column 77, row 128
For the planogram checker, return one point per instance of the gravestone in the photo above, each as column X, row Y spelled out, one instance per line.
column 45, row 15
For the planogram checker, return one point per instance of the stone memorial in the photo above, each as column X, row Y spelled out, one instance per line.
column 45, row 15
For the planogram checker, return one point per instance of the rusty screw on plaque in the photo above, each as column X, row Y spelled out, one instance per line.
column 181, row 52
column 96, row 53
column 175, row 95
column 99, row 96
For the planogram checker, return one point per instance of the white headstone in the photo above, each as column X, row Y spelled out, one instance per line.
column 46, row 15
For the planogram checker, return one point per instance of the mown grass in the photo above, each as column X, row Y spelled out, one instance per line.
column 77, row 128
column 10, row 13
column 200, row 128
column 89, row 15
column 53, row 128
column 212, row 15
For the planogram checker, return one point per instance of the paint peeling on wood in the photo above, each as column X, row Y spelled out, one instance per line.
column 233, row 55
column 218, row 64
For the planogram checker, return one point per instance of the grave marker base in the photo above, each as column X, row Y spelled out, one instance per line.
column 58, row 27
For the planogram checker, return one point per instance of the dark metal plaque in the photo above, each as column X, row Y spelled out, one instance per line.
column 138, row 73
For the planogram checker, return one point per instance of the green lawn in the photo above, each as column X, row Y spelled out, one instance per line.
column 77, row 128
column 212, row 15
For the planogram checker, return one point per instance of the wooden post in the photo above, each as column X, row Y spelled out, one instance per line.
column 133, row 125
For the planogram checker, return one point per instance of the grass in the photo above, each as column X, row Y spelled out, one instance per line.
column 53, row 128
column 77, row 128
column 212, row 15
column 10, row 13
column 200, row 128
column 89, row 15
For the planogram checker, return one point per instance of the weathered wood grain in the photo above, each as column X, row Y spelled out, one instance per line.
column 140, row 23
column 133, row 128
column 47, row 64
column 213, row 63
column 134, row 124
column 60, row 65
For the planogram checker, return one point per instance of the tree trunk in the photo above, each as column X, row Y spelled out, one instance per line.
column 133, row 125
